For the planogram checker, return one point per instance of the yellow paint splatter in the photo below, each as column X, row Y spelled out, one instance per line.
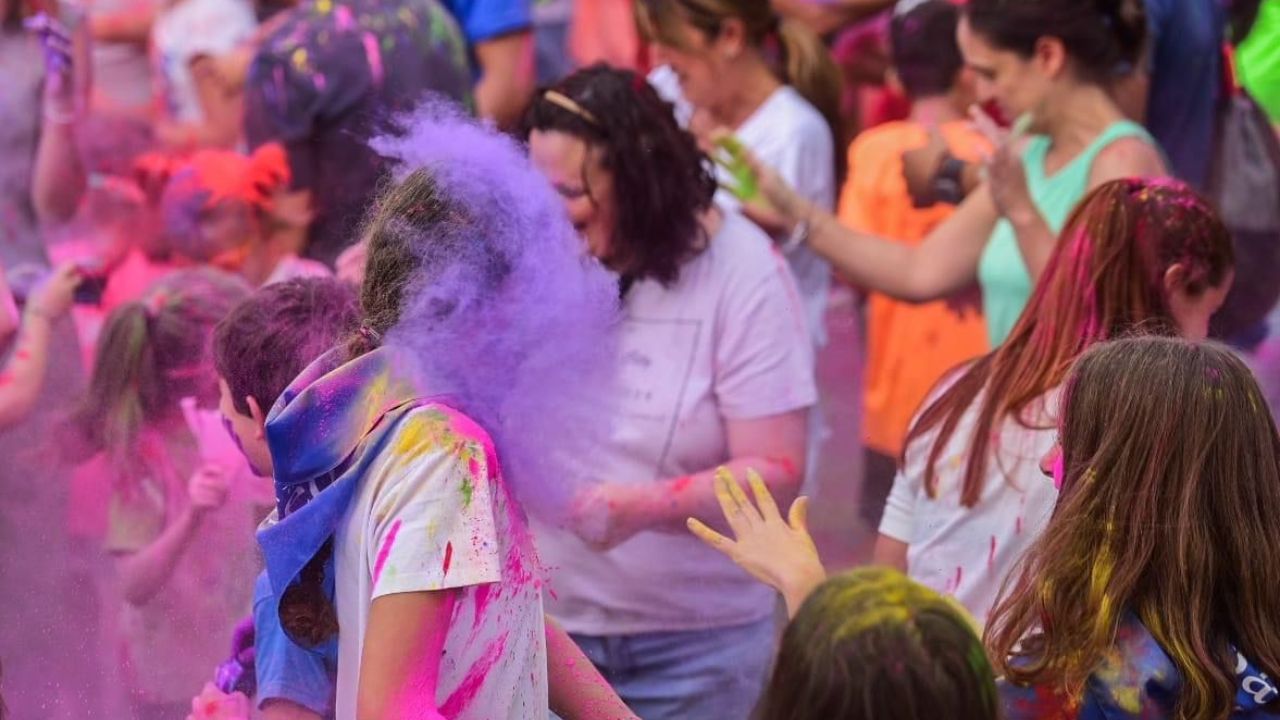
column 299, row 59
column 324, row 6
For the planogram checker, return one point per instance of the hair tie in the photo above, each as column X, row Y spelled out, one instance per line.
column 370, row 334
column 565, row 102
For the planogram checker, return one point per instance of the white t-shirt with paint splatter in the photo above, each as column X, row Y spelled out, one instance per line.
column 433, row 513
column 967, row 552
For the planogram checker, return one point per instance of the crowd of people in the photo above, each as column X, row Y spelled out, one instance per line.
column 457, row 359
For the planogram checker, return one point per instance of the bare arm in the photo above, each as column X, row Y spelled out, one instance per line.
column 773, row 446
column 223, row 108
column 127, row 25
column 58, row 179
column 889, row 552
column 23, row 377
column 578, row 691
column 145, row 572
column 945, row 263
column 400, row 663
column 506, row 77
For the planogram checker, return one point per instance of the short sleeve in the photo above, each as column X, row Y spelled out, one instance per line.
column 279, row 106
column 483, row 20
column 763, row 354
column 898, row 521
column 433, row 524
column 285, row 671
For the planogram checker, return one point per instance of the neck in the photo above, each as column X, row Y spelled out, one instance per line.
column 1077, row 116
column 935, row 110
column 753, row 84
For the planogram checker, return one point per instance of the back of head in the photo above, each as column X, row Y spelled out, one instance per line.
column 797, row 55
column 211, row 178
column 1103, row 38
column 153, row 353
column 1171, row 487
column 874, row 645
column 1104, row 279
column 271, row 337
column 922, row 38
column 662, row 181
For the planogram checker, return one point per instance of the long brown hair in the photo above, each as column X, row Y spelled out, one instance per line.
column 798, row 56
column 866, row 640
column 1170, row 495
column 1104, row 278
column 151, row 354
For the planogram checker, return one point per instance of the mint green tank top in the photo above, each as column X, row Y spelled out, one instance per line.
column 1002, row 274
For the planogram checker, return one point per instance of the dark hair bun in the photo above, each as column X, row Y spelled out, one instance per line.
column 1127, row 20
column 1104, row 38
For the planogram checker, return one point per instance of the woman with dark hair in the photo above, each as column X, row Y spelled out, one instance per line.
column 714, row 368
column 1050, row 64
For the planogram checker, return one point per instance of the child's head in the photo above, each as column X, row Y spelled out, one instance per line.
column 926, row 57
column 1171, row 490
column 874, row 644
column 266, row 341
column 218, row 204
column 151, row 354
column 1135, row 253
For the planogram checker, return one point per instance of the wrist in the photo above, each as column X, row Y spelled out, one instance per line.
column 799, row 582
column 36, row 314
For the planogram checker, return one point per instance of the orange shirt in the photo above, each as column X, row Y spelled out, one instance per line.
column 908, row 346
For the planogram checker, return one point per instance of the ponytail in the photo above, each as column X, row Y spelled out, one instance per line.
column 126, row 387
column 806, row 65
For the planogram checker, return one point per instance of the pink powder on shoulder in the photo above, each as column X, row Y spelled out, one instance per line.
column 385, row 551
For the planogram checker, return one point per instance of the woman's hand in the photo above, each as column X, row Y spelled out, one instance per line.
column 608, row 514
column 208, row 489
column 56, row 293
column 55, row 40
column 1003, row 167
column 779, row 553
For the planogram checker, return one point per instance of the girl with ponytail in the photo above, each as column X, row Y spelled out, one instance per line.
column 736, row 65
column 170, row 495
column 221, row 208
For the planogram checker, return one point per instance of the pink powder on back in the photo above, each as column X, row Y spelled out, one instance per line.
column 385, row 550
column 448, row 556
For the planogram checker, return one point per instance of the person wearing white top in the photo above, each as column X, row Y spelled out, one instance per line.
column 972, row 496
column 714, row 368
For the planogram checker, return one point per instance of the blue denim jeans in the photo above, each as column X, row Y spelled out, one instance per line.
column 700, row 675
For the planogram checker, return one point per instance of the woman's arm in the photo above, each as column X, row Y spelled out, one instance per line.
column 775, row 447
column 945, row 263
column 58, row 179
column 23, row 377
column 145, row 572
column 578, row 691
column 400, row 662
column 889, row 552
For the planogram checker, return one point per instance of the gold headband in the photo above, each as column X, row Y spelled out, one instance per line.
column 567, row 103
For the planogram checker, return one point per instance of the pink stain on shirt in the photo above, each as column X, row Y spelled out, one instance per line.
column 385, row 551
column 470, row 685
column 681, row 484
column 448, row 557
column 991, row 556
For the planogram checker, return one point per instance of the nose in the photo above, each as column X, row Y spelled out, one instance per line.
column 1051, row 465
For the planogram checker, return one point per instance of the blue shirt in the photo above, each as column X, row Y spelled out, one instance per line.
column 1186, row 75
column 483, row 20
column 284, row 670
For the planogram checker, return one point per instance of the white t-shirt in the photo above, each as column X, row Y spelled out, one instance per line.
column 790, row 136
column 726, row 341
column 967, row 552
column 434, row 514
column 185, row 31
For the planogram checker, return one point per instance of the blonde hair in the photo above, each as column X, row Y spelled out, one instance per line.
column 798, row 56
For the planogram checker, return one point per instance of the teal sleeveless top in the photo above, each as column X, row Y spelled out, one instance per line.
column 1002, row 274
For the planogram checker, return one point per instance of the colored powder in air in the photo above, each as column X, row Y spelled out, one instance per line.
column 525, row 343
